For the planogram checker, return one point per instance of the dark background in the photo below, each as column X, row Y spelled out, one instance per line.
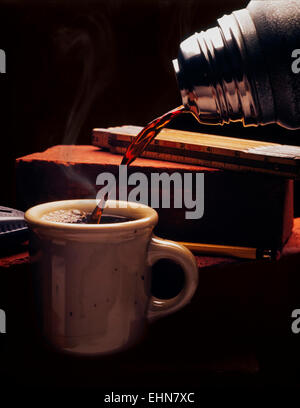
column 76, row 65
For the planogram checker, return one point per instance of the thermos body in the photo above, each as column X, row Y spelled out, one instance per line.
column 244, row 68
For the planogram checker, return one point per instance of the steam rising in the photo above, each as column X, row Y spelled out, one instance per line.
column 81, row 44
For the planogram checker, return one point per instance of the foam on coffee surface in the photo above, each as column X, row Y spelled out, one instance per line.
column 72, row 216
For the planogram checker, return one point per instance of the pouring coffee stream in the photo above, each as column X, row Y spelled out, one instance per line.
column 138, row 145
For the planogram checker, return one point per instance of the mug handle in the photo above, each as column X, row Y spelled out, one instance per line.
column 165, row 249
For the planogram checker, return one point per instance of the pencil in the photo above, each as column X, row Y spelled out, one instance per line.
column 228, row 250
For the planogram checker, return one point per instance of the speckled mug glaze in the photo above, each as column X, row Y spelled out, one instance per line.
column 93, row 281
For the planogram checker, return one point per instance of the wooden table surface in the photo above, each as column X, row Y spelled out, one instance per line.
column 236, row 331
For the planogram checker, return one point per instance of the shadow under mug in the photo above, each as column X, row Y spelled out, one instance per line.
column 92, row 281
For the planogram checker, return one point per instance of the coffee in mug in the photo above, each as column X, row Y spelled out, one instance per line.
column 93, row 281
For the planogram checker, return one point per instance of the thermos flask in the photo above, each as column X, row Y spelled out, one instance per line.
column 247, row 68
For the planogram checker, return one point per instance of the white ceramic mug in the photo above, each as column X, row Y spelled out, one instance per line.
column 94, row 281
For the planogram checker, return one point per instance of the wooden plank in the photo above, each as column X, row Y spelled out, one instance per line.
column 207, row 150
